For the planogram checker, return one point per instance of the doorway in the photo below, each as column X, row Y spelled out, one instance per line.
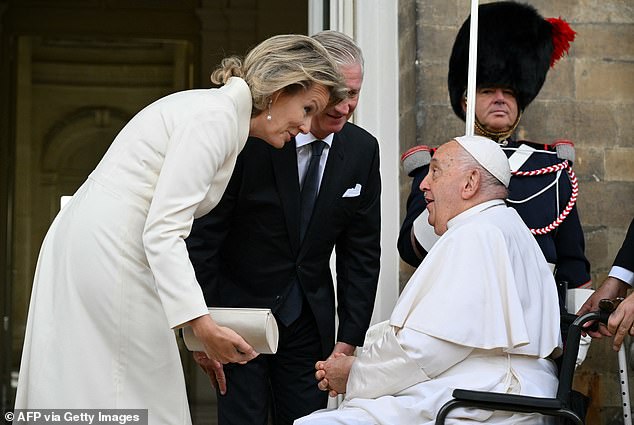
column 75, row 72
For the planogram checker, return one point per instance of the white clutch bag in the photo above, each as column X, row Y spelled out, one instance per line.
column 256, row 325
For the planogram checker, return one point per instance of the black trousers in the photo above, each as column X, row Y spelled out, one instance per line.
column 282, row 384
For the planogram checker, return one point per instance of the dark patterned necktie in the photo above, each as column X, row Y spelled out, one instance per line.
column 310, row 188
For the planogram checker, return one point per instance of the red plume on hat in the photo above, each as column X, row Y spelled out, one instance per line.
column 516, row 48
column 563, row 35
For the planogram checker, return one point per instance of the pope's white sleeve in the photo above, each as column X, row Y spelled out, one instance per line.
column 395, row 362
column 433, row 355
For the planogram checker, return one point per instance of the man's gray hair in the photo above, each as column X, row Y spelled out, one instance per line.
column 342, row 48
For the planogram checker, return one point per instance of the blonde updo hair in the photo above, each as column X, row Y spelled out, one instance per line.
column 284, row 63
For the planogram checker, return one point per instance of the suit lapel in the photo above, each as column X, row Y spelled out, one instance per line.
column 287, row 181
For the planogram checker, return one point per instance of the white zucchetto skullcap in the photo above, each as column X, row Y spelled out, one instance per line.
column 489, row 155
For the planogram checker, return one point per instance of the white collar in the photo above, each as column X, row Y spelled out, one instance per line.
column 304, row 139
column 475, row 210
column 240, row 93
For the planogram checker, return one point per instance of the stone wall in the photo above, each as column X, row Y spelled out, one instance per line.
column 587, row 98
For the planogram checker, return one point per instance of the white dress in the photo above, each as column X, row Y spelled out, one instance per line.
column 463, row 320
column 114, row 277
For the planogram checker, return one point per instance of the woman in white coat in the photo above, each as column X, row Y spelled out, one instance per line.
column 113, row 277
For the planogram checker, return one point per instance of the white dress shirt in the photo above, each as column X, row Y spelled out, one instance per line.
column 302, row 142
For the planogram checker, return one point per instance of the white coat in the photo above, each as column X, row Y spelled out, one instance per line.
column 114, row 278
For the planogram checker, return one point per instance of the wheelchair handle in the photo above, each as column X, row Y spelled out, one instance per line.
column 609, row 305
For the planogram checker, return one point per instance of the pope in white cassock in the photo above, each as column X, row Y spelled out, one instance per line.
column 480, row 312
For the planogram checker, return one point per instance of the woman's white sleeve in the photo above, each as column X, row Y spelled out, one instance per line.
column 198, row 149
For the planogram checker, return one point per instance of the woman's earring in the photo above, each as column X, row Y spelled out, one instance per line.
column 268, row 116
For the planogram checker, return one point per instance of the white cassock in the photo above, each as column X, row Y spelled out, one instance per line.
column 114, row 277
column 480, row 312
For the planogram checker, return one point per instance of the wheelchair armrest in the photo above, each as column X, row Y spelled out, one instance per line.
column 507, row 399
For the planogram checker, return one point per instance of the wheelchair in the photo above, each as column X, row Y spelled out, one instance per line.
column 568, row 405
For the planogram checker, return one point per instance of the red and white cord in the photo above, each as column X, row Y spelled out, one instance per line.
column 573, row 196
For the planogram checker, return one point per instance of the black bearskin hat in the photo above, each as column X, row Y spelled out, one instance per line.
column 516, row 46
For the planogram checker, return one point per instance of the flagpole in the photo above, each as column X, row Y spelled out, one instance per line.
column 471, row 76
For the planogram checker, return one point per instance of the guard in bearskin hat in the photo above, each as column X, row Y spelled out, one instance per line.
column 516, row 48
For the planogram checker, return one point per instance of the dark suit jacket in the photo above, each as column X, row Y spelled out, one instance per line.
column 625, row 257
column 246, row 251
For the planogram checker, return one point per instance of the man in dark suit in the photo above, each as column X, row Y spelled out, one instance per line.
column 619, row 280
column 263, row 247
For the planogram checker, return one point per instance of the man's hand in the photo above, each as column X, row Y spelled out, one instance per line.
column 342, row 347
column 621, row 322
column 333, row 373
column 213, row 369
column 610, row 288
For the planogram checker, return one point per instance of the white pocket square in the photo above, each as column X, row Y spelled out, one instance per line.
column 352, row 192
